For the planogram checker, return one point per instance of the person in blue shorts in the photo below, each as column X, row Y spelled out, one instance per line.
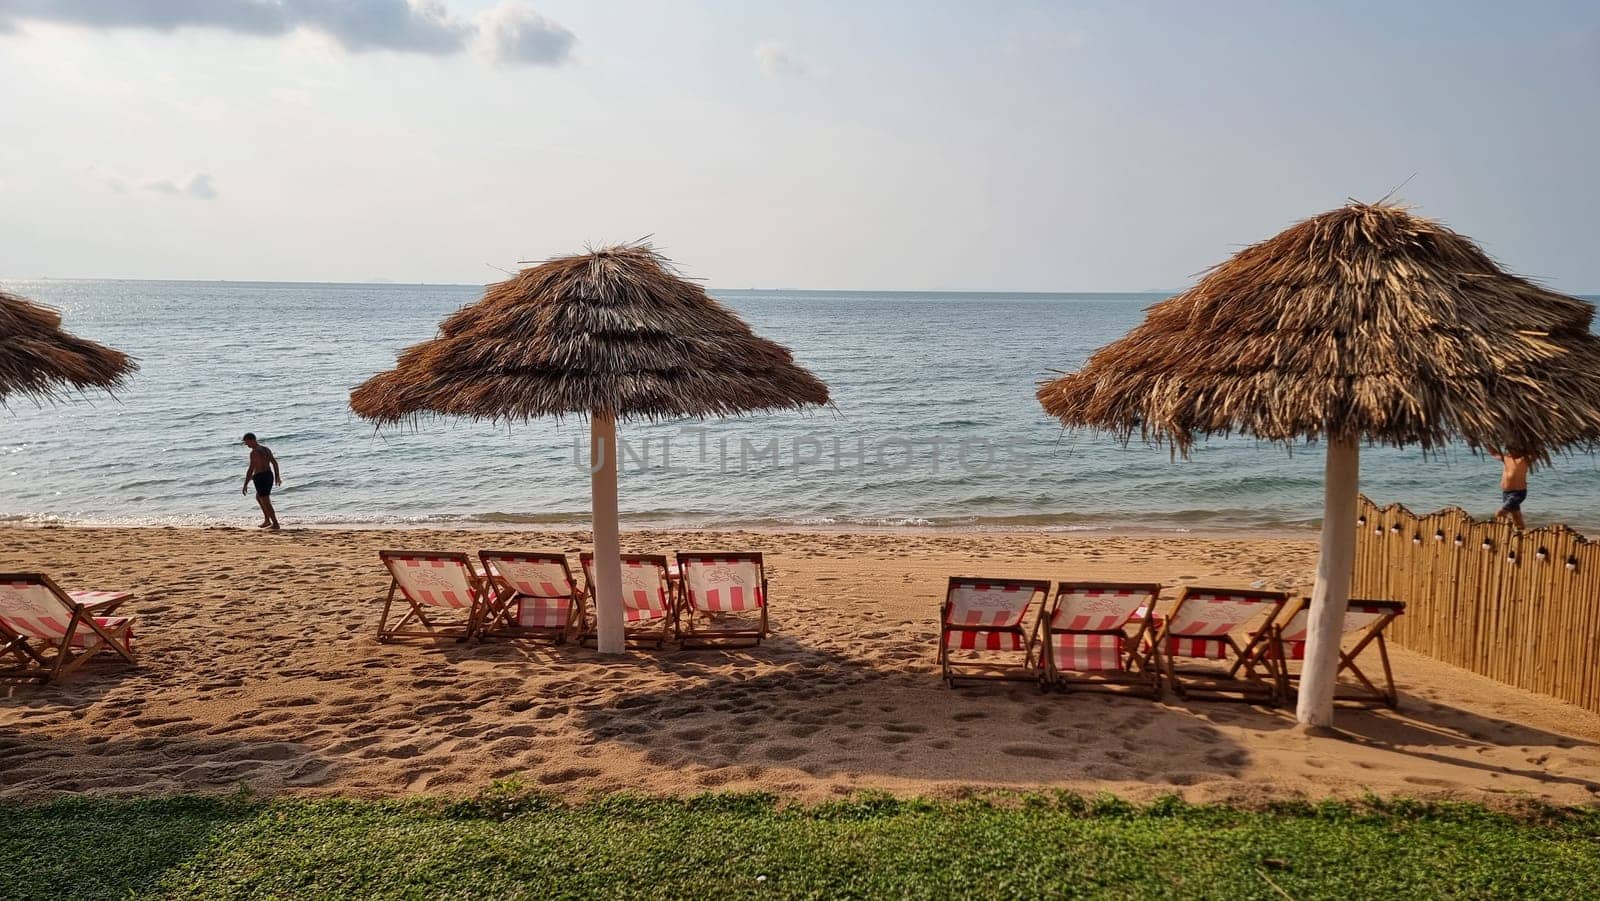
column 1513, row 484
column 263, row 473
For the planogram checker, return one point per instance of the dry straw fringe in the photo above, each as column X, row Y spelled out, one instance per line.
column 614, row 332
column 41, row 362
column 1366, row 321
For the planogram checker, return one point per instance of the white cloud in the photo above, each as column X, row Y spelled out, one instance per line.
column 199, row 186
column 108, row 179
column 513, row 32
column 778, row 61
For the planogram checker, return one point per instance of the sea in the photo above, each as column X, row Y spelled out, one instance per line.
column 933, row 425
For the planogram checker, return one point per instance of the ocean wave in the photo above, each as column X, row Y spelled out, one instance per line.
column 1178, row 522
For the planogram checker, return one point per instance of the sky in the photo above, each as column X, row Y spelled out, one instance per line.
column 867, row 145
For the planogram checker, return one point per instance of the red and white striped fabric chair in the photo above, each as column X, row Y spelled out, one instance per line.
column 100, row 602
column 1366, row 618
column 47, row 634
column 1201, row 627
column 984, row 619
column 719, row 587
column 646, row 597
column 433, row 581
column 1086, row 640
column 534, row 594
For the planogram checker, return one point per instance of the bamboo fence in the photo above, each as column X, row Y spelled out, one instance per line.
column 1520, row 608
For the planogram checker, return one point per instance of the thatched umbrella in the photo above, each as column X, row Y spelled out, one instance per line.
column 1362, row 324
column 43, row 363
column 612, row 334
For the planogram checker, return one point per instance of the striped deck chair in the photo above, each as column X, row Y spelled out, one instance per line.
column 646, row 597
column 100, row 603
column 433, row 581
column 1366, row 618
column 715, row 585
column 1086, row 640
column 1201, row 627
column 534, row 594
column 46, row 634
column 984, row 618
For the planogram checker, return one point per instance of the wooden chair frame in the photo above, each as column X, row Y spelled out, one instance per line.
column 632, row 635
column 690, row 637
column 951, row 670
column 499, row 618
column 35, row 662
column 1275, row 656
column 483, row 594
column 1206, row 684
column 1138, row 670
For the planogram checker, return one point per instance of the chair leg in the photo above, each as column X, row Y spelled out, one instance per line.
column 123, row 649
column 64, row 652
column 19, row 646
column 1172, row 675
column 1047, row 664
column 383, row 620
column 1150, row 665
column 944, row 657
column 1390, row 695
column 1247, row 658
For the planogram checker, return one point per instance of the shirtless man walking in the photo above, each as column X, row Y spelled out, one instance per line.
column 1513, row 484
column 264, row 473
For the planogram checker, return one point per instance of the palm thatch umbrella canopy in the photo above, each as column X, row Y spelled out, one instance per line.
column 614, row 334
column 1365, row 323
column 41, row 362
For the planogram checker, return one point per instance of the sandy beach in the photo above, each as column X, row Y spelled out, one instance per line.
column 259, row 668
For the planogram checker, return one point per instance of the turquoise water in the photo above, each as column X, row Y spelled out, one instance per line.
column 934, row 424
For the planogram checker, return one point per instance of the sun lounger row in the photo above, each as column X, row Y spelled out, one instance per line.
column 1213, row 643
column 701, row 599
column 47, row 632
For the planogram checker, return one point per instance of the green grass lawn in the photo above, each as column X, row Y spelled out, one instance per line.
column 506, row 844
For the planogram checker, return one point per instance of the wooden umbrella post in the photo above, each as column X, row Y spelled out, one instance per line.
column 607, row 546
column 1331, row 595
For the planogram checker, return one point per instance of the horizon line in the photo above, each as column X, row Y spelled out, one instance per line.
column 410, row 284
column 1586, row 293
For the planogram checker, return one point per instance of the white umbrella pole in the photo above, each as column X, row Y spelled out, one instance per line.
column 607, row 550
column 1331, row 595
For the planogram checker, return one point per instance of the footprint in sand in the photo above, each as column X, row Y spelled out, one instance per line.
column 1228, row 758
column 1202, row 734
column 713, row 778
column 1428, row 781
column 570, row 774
column 1036, row 752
